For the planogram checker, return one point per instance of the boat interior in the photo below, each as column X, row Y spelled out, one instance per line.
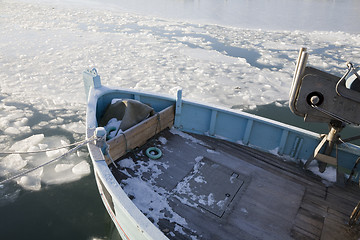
column 196, row 186
column 199, row 187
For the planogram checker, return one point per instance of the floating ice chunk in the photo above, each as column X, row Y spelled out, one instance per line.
column 31, row 181
column 21, row 122
column 60, row 178
column 278, row 104
column 43, row 146
column 12, row 130
column 55, row 153
column 64, row 142
column 76, row 127
column 81, row 154
column 25, row 129
column 82, row 168
column 212, row 56
column 63, row 167
column 42, row 124
column 11, row 163
column 26, row 143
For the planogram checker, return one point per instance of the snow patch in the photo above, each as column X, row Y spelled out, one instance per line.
column 163, row 140
column 328, row 176
column 149, row 198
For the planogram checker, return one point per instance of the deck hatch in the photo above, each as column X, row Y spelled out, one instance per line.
column 210, row 186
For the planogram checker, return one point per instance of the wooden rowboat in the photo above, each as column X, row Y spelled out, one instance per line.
column 193, row 171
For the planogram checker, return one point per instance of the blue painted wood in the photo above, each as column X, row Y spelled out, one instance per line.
column 229, row 126
column 137, row 97
column 91, row 79
column 178, row 106
column 212, row 122
column 283, row 139
column 237, row 127
column 257, row 132
column 309, row 142
column 294, row 149
column 265, row 136
column 299, row 147
column 248, row 129
column 194, row 118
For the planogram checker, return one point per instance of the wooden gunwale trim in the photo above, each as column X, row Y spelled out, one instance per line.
column 137, row 135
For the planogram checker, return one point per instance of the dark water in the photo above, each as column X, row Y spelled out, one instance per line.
column 75, row 210
column 67, row 211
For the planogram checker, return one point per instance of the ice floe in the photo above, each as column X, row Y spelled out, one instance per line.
column 70, row 168
column 45, row 46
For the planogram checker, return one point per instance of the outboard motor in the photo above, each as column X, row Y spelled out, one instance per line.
column 318, row 96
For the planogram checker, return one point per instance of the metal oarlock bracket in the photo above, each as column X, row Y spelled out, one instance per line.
column 328, row 141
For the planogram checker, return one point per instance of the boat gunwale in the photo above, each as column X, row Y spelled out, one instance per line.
column 102, row 91
column 142, row 223
column 100, row 166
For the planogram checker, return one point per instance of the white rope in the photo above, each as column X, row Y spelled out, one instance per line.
column 43, row 150
column 82, row 143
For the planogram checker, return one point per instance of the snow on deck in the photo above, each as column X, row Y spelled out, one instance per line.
column 45, row 46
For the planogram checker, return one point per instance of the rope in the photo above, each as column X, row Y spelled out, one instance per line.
column 158, row 122
column 44, row 150
column 333, row 115
column 107, row 150
column 82, row 143
column 126, row 143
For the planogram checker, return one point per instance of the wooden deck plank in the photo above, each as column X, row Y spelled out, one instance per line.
column 339, row 204
column 309, row 221
column 338, row 231
column 278, row 199
column 301, row 234
column 317, row 209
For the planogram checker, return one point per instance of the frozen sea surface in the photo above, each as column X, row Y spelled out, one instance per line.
column 310, row 15
column 46, row 46
column 233, row 54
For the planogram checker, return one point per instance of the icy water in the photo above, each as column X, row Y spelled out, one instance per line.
column 235, row 54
